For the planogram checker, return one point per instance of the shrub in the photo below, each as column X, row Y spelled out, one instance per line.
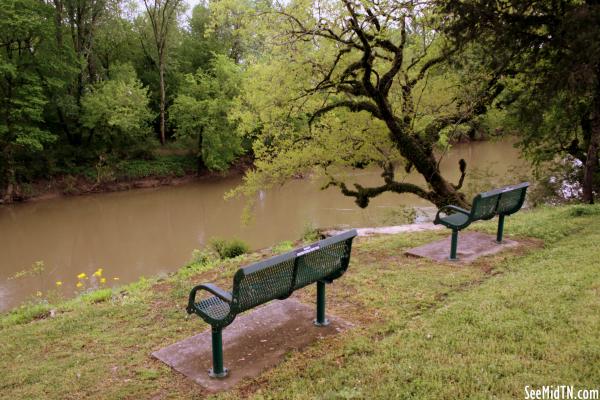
column 229, row 248
column 202, row 257
column 282, row 247
column 162, row 166
column 311, row 233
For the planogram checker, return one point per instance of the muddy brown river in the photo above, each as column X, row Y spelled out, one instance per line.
column 152, row 231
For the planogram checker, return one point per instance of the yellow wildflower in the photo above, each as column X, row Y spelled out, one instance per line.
column 102, row 280
column 82, row 276
column 79, row 284
column 98, row 272
column 58, row 283
column 38, row 294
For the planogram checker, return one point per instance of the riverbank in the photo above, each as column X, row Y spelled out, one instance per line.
column 522, row 317
column 163, row 170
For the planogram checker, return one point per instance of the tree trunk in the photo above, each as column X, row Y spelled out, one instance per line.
column 9, row 178
column 200, row 165
column 161, row 68
column 442, row 193
column 591, row 160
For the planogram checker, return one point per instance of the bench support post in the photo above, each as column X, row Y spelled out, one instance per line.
column 454, row 245
column 217, row 371
column 321, row 320
column 500, row 229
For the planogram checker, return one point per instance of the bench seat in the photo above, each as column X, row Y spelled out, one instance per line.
column 454, row 220
column 213, row 308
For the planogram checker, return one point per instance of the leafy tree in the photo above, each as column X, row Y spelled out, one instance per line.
column 162, row 15
column 350, row 84
column 76, row 25
column 199, row 43
column 202, row 108
column 234, row 26
column 24, row 25
column 116, row 110
column 115, row 40
column 554, row 72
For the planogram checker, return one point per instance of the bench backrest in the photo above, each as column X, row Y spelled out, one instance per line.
column 484, row 206
column 502, row 201
column 279, row 276
column 512, row 199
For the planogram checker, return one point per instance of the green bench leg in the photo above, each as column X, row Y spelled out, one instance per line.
column 217, row 371
column 500, row 229
column 454, row 245
column 321, row 320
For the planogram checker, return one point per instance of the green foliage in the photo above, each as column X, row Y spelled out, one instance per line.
column 229, row 248
column 117, row 109
column 311, row 233
column 98, row 296
column 308, row 107
column 282, row 247
column 25, row 314
column 202, row 257
column 162, row 166
column 80, row 87
column 200, row 43
column 551, row 54
column 24, row 26
column 202, row 108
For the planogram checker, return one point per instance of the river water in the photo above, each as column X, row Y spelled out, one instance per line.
column 152, row 231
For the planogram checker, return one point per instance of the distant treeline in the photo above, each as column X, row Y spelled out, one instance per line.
column 95, row 88
column 89, row 84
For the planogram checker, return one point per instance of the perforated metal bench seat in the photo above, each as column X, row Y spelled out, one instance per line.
column 456, row 219
column 499, row 202
column 275, row 278
column 212, row 308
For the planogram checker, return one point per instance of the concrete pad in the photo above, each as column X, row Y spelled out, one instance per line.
column 253, row 343
column 471, row 246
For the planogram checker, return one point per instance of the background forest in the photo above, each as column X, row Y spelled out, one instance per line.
column 106, row 90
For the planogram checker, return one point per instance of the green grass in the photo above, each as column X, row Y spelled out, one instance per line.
column 423, row 329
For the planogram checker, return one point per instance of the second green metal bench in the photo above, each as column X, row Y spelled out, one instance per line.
column 276, row 278
column 501, row 202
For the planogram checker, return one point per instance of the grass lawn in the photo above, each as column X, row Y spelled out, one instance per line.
column 424, row 330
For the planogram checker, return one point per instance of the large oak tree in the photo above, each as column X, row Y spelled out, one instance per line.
column 341, row 73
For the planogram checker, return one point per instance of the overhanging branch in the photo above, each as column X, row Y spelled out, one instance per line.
column 349, row 104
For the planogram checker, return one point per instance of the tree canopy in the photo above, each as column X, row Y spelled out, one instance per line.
column 350, row 84
column 303, row 86
column 553, row 76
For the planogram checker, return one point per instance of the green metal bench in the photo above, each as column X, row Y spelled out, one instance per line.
column 501, row 202
column 276, row 278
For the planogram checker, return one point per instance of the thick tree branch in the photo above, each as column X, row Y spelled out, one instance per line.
column 386, row 81
column 352, row 105
column 363, row 195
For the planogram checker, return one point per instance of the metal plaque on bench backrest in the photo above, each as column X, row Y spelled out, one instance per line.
column 306, row 250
